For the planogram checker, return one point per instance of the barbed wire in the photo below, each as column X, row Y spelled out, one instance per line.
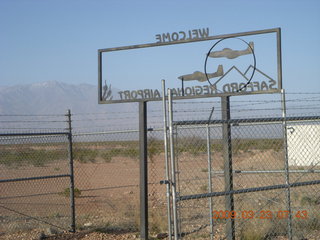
column 126, row 120
column 307, row 93
column 30, row 121
column 32, row 115
column 252, row 102
column 245, row 101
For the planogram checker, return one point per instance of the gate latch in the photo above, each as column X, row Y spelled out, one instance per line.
column 165, row 182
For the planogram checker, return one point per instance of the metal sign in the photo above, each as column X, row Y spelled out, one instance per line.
column 182, row 35
column 197, row 66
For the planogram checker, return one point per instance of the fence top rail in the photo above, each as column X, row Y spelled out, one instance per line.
column 247, row 120
column 32, row 134
column 115, row 132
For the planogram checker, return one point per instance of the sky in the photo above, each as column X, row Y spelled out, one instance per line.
column 58, row 40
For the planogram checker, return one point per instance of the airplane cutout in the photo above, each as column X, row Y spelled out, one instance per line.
column 231, row 54
column 200, row 76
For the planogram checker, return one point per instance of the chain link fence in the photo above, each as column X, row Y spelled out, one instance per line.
column 235, row 184
column 106, row 174
column 36, row 181
column 35, row 176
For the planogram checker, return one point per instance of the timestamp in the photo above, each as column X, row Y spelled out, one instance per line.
column 261, row 214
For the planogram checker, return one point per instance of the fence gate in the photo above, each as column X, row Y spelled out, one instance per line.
column 238, row 179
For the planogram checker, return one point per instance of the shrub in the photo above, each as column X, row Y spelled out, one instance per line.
column 66, row 192
column 27, row 156
column 85, row 155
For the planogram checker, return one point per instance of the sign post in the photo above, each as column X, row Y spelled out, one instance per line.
column 143, row 146
column 227, row 156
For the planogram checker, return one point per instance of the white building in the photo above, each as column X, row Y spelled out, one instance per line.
column 303, row 144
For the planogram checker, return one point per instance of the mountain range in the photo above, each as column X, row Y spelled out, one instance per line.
column 27, row 106
column 53, row 97
column 49, row 98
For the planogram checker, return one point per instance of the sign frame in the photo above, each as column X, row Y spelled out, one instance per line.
column 217, row 37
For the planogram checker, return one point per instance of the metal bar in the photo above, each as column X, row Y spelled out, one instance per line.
column 32, row 134
column 279, row 58
column 99, row 76
column 109, row 132
column 182, row 86
column 177, row 177
column 210, row 181
column 272, row 30
column 143, row 170
column 114, row 132
column 173, row 169
column 247, row 120
column 286, row 163
column 256, row 172
column 269, row 171
column 33, row 178
column 247, row 190
column 70, row 151
column 168, row 179
column 227, row 155
column 210, row 175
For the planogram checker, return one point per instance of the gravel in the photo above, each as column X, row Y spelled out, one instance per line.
column 83, row 235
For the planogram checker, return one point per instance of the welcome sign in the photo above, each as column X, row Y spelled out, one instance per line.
column 194, row 65
column 183, row 35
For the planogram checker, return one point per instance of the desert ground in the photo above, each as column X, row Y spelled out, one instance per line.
column 107, row 192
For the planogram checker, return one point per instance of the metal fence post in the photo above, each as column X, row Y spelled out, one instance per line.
column 164, row 107
column 143, row 170
column 173, row 168
column 210, row 175
column 72, row 201
column 286, row 163
column 227, row 155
